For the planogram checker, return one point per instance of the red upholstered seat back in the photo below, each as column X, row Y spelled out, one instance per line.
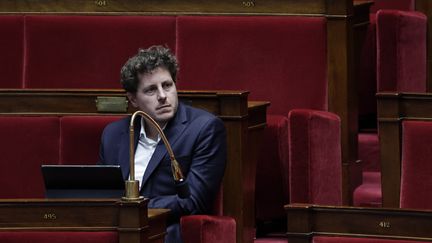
column 11, row 49
column 88, row 51
column 315, row 157
column 393, row 57
column 279, row 59
column 401, row 51
column 80, row 138
column 26, row 143
column 416, row 180
column 366, row 72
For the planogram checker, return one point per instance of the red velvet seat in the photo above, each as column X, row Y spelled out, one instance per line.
column 368, row 194
column 401, row 67
column 367, row 83
column 416, row 183
column 315, row 157
column 26, row 144
column 401, row 51
column 11, row 49
column 315, row 160
column 80, row 138
column 208, row 229
column 88, row 51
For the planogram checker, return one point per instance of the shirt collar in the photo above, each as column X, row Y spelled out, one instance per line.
column 143, row 136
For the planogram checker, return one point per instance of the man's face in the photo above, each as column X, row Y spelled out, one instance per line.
column 156, row 95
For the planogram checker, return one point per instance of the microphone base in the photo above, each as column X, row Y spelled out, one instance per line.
column 132, row 191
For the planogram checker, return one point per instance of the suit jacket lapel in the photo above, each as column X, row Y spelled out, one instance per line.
column 173, row 131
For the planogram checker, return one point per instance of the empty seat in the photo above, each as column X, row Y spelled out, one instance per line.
column 26, row 144
column 80, row 138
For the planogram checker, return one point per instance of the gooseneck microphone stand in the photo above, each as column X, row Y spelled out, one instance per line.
column 132, row 185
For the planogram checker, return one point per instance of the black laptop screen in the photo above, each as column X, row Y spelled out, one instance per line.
column 83, row 181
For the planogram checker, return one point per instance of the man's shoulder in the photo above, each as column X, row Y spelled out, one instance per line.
column 197, row 113
column 119, row 125
column 199, row 116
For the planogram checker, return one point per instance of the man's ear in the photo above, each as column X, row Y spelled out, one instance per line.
column 132, row 99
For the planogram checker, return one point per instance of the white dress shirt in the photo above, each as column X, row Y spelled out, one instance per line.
column 143, row 153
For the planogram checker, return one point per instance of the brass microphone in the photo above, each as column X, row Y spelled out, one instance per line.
column 132, row 185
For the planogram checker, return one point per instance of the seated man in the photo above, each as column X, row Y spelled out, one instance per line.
column 197, row 137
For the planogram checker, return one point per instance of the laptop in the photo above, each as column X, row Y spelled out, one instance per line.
column 83, row 181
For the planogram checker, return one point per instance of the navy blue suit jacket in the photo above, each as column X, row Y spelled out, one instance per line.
column 198, row 140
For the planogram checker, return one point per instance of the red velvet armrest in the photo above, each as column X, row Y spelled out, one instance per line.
column 208, row 229
column 315, row 156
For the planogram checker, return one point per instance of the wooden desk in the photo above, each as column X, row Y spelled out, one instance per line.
column 132, row 220
column 306, row 221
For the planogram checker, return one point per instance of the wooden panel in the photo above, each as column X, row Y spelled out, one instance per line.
column 388, row 223
column 339, row 7
column 341, row 89
column 390, row 157
column 131, row 219
column 83, row 101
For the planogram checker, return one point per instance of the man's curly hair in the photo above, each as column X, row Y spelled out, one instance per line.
column 145, row 61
